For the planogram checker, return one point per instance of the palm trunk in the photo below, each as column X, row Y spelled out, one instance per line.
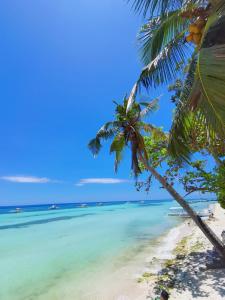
column 219, row 246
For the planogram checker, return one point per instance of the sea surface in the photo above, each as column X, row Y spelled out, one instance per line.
column 63, row 253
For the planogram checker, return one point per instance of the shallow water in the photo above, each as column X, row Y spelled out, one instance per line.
column 43, row 251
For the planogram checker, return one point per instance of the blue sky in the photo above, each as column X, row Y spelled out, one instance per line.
column 62, row 63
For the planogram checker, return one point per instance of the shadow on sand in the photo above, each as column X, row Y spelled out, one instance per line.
column 197, row 273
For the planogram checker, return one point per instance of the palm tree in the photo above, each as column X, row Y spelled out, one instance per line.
column 165, row 44
column 126, row 131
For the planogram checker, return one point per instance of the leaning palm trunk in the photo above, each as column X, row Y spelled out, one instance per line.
column 219, row 246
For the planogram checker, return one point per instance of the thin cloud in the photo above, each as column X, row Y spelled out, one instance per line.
column 26, row 179
column 100, row 181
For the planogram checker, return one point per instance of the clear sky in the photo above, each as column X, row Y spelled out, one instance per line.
column 62, row 62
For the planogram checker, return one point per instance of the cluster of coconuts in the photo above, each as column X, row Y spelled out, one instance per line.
column 197, row 27
column 196, row 30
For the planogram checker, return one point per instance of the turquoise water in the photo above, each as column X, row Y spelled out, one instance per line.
column 43, row 250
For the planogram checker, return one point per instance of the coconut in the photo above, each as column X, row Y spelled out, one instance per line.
column 189, row 38
column 193, row 28
column 200, row 23
column 197, row 38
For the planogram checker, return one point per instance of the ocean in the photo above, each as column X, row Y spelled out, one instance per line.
column 69, row 252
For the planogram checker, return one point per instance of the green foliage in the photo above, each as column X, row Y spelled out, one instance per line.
column 189, row 132
column 158, row 33
column 194, row 176
column 126, row 130
column 181, row 247
column 198, row 179
column 220, row 182
column 157, row 7
column 117, row 146
column 200, row 98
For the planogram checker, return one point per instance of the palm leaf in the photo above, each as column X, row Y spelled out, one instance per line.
column 154, row 131
column 117, row 146
column 131, row 97
column 158, row 32
column 207, row 97
column 156, row 7
column 95, row 146
column 149, row 107
column 107, row 131
column 178, row 140
column 211, row 76
column 163, row 68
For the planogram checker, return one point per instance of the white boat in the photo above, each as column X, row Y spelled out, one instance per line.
column 53, row 207
column 16, row 210
column 180, row 212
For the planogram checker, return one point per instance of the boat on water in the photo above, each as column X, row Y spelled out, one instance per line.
column 53, row 207
column 83, row 205
column 180, row 212
column 16, row 210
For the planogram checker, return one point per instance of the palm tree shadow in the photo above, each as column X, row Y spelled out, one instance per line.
column 198, row 273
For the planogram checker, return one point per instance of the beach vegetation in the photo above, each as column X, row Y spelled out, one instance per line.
column 198, row 246
column 192, row 175
column 147, row 274
column 181, row 247
column 169, row 263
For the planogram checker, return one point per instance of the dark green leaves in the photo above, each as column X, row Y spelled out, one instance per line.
column 156, row 7
column 95, row 146
column 117, row 146
column 158, row 32
column 126, row 130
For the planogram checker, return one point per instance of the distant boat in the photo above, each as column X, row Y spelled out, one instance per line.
column 180, row 212
column 142, row 201
column 53, row 207
column 83, row 205
column 100, row 204
column 16, row 210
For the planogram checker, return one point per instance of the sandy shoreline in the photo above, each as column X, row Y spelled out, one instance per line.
column 176, row 261
column 180, row 264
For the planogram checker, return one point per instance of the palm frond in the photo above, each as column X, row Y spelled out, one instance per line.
column 154, row 131
column 131, row 97
column 178, row 146
column 141, row 145
column 211, row 76
column 158, row 32
column 117, row 146
column 107, row 131
column 155, row 7
column 149, row 107
column 163, row 68
column 204, row 91
column 204, row 105
column 95, row 146
column 106, row 134
column 217, row 5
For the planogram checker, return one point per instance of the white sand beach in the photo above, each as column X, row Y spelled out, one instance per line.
column 185, row 269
